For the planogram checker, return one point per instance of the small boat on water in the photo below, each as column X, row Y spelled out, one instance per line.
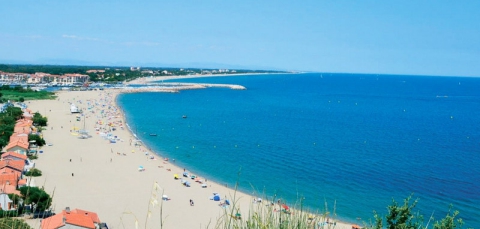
column 184, row 116
column 153, row 134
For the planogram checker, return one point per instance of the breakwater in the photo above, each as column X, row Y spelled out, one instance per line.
column 176, row 87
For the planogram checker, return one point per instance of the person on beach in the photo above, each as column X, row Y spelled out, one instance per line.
column 191, row 202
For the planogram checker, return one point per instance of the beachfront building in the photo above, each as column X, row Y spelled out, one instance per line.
column 65, row 79
column 14, row 156
column 12, row 167
column 6, row 203
column 18, row 146
column 72, row 219
column 14, row 77
column 19, row 139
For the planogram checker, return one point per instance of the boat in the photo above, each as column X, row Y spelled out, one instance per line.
column 184, row 116
column 153, row 134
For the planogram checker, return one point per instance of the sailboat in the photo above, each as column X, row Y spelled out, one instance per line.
column 83, row 132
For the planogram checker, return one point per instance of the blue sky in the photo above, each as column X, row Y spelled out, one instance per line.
column 394, row 37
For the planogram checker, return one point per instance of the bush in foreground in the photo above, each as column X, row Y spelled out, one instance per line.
column 12, row 223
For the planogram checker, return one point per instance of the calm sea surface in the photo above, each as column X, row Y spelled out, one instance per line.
column 349, row 140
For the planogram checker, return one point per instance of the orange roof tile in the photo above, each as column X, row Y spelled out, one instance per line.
column 14, row 154
column 16, row 165
column 9, row 178
column 10, row 170
column 53, row 222
column 77, row 217
column 21, row 144
column 9, row 189
column 19, row 137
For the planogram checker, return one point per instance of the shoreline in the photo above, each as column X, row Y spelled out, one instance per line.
column 143, row 80
column 119, row 177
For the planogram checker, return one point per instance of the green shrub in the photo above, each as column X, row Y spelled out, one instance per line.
column 12, row 223
column 13, row 213
column 34, row 172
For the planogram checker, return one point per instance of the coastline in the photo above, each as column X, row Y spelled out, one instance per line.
column 159, row 78
column 101, row 179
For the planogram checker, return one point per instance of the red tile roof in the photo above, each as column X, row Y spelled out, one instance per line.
column 7, row 170
column 9, row 178
column 22, row 182
column 19, row 137
column 21, row 144
column 77, row 217
column 11, row 154
column 9, row 189
column 16, row 165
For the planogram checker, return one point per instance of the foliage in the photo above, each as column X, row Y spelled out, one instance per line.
column 12, row 213
column 39, row 141
column 14, row 112
column 116, row 74
column 39, row 199
column 15, row 198
column 32, row 157
column 402, row 217
column 13, row 223
column 34, row 172
column 449, row 222
column 39, row 120
column 7, row 124
column 18, row 94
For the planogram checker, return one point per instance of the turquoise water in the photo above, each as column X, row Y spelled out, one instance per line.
column 353, row 141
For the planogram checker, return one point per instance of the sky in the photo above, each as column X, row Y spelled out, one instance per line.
column 382, row 37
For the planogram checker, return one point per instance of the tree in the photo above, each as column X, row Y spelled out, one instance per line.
column 15, row 112
column 21, row 99
column 39, row 199
column 39, row 120
column 15, row 198
column 39, row 141
column 34, row 172
column 13, row 223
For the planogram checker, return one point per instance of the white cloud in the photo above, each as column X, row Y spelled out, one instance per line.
column 80, row 38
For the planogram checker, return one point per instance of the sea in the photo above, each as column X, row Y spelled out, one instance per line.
column 345, row 145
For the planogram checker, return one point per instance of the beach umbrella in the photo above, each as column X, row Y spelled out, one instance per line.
column 175, row 176
column 285, row 207
column 187, row 184
column 355, row 226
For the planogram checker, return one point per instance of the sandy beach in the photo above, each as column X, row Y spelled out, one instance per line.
column 97, row 175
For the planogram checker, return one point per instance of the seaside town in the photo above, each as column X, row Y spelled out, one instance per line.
column 239, row 115
column 33, row 187
column 55, row 144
